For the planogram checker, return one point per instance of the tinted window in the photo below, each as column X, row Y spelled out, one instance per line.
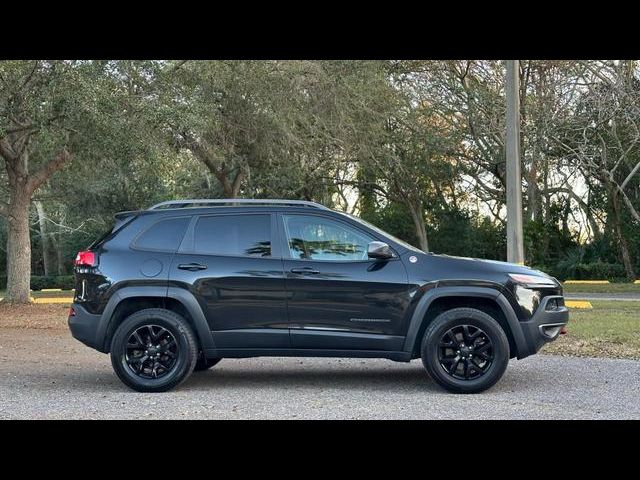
column 163, row 235
column 246, row 235
column 316, row 238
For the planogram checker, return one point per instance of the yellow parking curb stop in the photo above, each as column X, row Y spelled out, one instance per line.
column 52, row 300
column 578, row 304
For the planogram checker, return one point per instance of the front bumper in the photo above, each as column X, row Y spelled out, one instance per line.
column 84, row 326
column 546, row 323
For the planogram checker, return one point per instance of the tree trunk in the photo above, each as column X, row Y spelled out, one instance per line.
column 60, row 254
column 534, row 198
column 230, row 189
column 22, row 184
column 47, row 258
column 622, row 241
column 418, row 221
column 367, row 195
column 18, row 251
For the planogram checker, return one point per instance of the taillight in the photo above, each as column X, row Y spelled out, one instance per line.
column 86, row 258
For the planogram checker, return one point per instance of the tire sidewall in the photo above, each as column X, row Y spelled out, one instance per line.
column 186, row 356
column 476, row 318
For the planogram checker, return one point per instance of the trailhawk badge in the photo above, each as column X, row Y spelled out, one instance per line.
column 413, row 259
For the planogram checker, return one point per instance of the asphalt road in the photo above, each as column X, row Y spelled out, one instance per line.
column 623, row 296
column 47, row 374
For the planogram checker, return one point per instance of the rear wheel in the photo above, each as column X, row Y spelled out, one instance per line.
column 154, row 350
column 465, row 350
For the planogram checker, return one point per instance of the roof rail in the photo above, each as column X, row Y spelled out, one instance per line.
column 203, row 202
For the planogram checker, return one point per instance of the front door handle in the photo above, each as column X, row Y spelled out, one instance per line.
column 192, row 267
column 305, row 271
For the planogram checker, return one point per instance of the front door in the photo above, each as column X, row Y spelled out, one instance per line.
column 338, row 298
column 228, row 263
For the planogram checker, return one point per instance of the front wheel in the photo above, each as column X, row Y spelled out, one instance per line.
column 154, row 350
column 465, row 350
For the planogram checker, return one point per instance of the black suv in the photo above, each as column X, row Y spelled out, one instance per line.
column 180, row 286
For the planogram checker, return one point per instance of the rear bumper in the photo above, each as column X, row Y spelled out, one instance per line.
column 84, row 326
column 545, row 325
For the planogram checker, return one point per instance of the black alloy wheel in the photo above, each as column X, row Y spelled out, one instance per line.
column 465, row 352
column 154, row 350
column 151, row 351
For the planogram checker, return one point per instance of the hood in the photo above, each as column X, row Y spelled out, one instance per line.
column 480, row 264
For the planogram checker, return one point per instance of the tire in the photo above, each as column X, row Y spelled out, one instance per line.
column 165, row 326
column 205, row 363
column 440, row 349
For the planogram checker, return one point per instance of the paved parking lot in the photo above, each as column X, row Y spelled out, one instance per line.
column 46, row 374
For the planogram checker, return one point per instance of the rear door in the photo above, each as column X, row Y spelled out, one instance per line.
column 233, row 267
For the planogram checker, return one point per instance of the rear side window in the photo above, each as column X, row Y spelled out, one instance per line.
column 238, row 235
column 164, row 235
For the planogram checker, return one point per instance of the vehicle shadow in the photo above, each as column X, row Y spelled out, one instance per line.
column 349, row 377
column 406, row 379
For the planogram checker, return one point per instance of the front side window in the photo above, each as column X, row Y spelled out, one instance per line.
column 311, row 237
column 237, row 235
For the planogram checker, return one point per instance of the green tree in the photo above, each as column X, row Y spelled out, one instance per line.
column 54, row 113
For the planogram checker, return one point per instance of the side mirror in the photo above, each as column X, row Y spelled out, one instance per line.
column 379, row 250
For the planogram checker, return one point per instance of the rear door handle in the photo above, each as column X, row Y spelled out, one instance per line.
column 305, row 271
column 192, row 267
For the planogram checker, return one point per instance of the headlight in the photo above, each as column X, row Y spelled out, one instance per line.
column 532, row 281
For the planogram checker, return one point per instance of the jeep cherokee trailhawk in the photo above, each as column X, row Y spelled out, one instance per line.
column 184, row 284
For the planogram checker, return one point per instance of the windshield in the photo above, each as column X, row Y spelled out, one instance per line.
column 382, row 232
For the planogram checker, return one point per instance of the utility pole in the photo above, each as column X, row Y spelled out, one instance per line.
column 515, row 250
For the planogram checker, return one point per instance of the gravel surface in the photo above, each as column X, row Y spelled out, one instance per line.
column 44, row 373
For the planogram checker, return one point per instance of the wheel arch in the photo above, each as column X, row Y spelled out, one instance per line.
column 128, row 300
column 485, row 299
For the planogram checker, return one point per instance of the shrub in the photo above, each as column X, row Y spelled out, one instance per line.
column 599, row 271
column 38, row 282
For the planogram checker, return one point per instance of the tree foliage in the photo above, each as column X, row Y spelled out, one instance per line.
column 414, row 146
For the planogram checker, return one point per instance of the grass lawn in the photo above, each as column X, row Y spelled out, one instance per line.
column 611, row 329
column 604, row 288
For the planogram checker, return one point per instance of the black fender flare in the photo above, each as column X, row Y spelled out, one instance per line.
column 463, row 291
column 181, row 295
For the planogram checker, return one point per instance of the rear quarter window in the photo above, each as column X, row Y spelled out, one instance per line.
column 119, row 223
column 164, row 235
